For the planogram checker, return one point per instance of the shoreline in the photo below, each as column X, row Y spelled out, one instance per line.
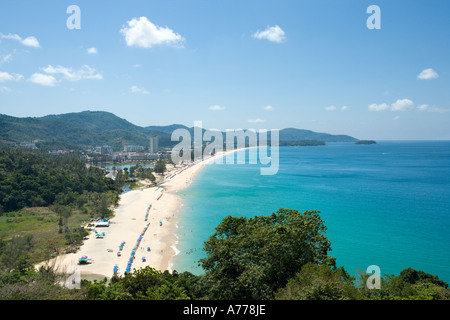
column 180, row 180
column 138, row 231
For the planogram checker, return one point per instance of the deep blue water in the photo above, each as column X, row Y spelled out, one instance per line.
column 386, row 204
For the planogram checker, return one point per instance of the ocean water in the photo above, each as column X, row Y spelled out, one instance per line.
column 386, row 204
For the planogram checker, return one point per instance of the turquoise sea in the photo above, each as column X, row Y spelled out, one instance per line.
column 386, row 204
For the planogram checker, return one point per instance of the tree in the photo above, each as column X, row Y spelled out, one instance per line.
column 252, row 258
column 160, row 166
column 64, row 213
column 409, row 285
column 145, row 283
column 415, row 276
column 320, row 282
column 13, row 251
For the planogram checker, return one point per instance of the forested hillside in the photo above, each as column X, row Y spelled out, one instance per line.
column 33, row 179
column 96, row 128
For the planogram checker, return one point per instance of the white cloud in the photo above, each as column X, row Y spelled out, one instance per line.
column 268, row 108
column 402, row 105
column 43, row 79
column 216, row 108
column 84, row 72
column 92, row 50
column 273, row 34
column 143, row 33
column 4, row 89
column 423, row 107
column 334, row 108
column 135, row 89
column 257, row 120
column 396, row 118
column 29, row 41
column 5, row 76
column 428, row 74
column 378, row 107
column 399, row 105
column 6, row 58
column 426, row 107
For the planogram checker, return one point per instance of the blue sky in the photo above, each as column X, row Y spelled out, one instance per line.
column 234, row 64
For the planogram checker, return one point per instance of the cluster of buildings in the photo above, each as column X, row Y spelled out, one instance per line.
column 130, row 152
column 30, row 145
column 58, row 152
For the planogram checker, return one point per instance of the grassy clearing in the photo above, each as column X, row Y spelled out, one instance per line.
column 43, row 224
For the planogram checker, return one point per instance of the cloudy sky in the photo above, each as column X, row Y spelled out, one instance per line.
column 233, row 64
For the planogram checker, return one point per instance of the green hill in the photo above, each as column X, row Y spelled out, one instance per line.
column 73, row 130
column 96, row 128
column 292, row 134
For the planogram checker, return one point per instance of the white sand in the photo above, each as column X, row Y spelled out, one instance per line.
column 129, row 222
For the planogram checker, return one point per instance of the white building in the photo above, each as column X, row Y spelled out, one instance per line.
column 154, row 144
column 131, row 148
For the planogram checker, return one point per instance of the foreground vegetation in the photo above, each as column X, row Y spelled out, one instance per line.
column 34, row 179
column 283, row 256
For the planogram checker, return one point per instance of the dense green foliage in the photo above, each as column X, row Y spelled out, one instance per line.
column 146, row 284
column 33, row 179
column 403, row 287
column 252, row 258
column 247, row 259
column 142, row 173
column 319, row 282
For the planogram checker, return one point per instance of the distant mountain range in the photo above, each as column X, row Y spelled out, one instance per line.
column 97, row 128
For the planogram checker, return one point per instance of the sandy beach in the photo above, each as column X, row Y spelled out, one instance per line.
column 152, row 237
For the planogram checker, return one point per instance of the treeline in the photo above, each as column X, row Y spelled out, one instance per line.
column 365, row 142
column 140, row 172
column 283, row 256
column 36, row 179
column 301, row 143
